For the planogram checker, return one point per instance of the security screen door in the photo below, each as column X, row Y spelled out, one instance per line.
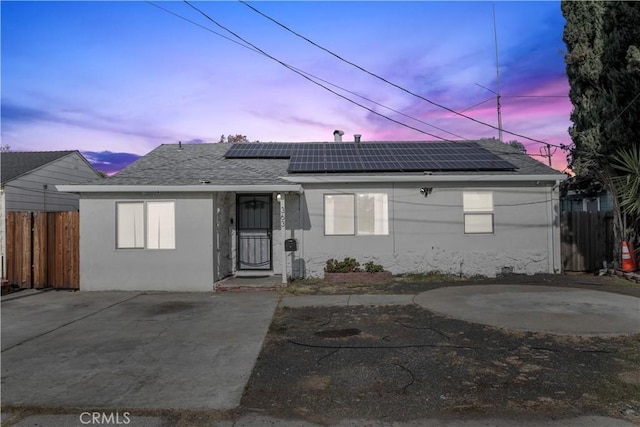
column 254, row 232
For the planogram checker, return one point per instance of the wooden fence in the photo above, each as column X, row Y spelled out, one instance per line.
column 587, row 240
column 42, row 249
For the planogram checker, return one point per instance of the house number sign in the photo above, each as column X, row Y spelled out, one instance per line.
column 282, row 215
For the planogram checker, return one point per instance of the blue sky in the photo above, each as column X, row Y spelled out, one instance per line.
column 116, row 79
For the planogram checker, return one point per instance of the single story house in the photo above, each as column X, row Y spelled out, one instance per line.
column 184, row 217
column 28, row 182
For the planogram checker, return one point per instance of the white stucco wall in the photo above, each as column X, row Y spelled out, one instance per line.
column 295, row 265
column 225, row 224
column 427, row 234
column 188, row 267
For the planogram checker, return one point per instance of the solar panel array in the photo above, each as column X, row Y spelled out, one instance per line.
column 374, row 156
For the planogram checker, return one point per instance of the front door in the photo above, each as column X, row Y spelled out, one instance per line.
column 254, row 232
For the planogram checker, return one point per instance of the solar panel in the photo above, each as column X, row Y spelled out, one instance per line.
column 374, row 156
column 269, row 150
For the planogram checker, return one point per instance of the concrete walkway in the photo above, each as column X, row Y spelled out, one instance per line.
column 554, row 310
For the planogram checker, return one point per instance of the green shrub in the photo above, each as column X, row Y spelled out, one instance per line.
column 346, row 266
column 349, row 265
column 370, row 267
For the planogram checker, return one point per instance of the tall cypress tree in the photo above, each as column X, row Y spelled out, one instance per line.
column 603, row 41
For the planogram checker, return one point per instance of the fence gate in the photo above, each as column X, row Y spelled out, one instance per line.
column 42, row 249
column 587, row 240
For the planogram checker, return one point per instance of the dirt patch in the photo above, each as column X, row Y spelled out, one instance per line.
column 630, row 377
column 408, row 363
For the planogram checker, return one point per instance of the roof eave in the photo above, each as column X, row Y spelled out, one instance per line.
column 317, row 179
column 201, row 188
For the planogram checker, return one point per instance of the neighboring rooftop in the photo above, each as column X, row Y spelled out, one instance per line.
column 17, row 163
column 190, row 164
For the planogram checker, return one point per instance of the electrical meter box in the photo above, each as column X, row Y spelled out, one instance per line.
column 290, row 245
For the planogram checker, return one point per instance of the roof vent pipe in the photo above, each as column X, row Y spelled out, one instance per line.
column 357, row 137
column 337, row 135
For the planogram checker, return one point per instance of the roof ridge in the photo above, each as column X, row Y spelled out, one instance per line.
column 39, row 151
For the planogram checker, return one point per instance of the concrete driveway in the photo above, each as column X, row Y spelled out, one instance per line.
column 132, row 350
column 555, row 310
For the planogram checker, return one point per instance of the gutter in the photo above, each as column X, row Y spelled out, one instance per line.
column 202, row 188
column 424, row 178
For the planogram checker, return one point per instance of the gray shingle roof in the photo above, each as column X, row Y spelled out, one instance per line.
column 170, row 165
column 15, row 164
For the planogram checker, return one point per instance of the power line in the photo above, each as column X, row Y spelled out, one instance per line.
column 347, row 90
column 308, row 78
column 387, row 81
column 624, row 109
column 305, row 72
column 479, row 103
column 383, row 106
column 535, row 96
column 199, row 25
column 255, row 49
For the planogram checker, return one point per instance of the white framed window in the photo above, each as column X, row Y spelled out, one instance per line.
column 478, row 212
column 372, row 214
column 161, row 225
column 359, row 214
column 339, row 214
column 150, row 222
column 130, row 225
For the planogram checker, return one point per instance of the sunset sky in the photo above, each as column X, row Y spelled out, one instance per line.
column 117, row 79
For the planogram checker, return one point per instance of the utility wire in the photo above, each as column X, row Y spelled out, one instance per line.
column 389, row 82
column 534, row 96
column 307, row 73
column 624, row 109
column 308, row 78
column 256, row 50
column 345, row 89
column 199, row 25
column 479, row 103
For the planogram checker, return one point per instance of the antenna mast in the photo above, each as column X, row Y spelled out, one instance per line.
column 495, row 34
